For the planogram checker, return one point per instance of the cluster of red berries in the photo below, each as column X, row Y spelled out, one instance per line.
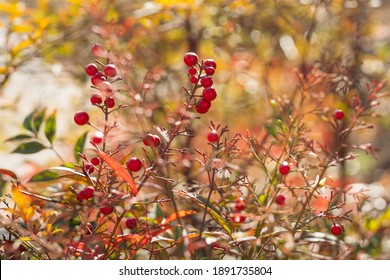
column 239, row 205
column 102, row 81
column 191, row 59
column 86, row 193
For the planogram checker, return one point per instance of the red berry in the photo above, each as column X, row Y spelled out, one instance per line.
column 209, row 71
column 81, row 118
column 338, row 115
column 88, row 191
column 240, row 204
column 280, row 199
column 193, row 80
column 89, row 168
column 192, row 71
column 336, row 229
column 203, row 104
column 213, row 136
column 209, row 94
column 131, row 223
column 238, row 218
column 110, row 70
column 107, row 210
column 134, row 164
column 110, row 102
column 95, row 161
column 190, row 59
column 206, row 81
column 91, row 69
column 151, row 140
column 98, row 50
column 81, row 196
column 96, row 99
column 105, row 88
column 97, row 79
column 284, row 168
column 210, row 63
column 97, row 138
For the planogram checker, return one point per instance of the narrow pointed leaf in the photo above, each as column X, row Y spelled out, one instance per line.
column 19, row 137
column 37, row 120
column 50, row 128
column 79, row 147
column 29, row 148
column 27, row 123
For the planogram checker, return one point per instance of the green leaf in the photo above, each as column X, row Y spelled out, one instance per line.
column 29, row 148
column 37, row 120
column 44, row 176
column 79, row 147
column 270, row 129
column 27, row 123
column 19, row 137
column 50, row 128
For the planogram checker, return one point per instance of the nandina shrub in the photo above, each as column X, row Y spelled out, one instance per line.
column 154, row 196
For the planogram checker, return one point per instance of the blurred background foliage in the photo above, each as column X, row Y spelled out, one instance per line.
column 257, row 45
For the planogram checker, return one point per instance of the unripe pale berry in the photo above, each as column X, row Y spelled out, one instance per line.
column 213, row 136
column 336, row 229
column 131, row 223
column 210, row 63
column 110, row 70
column 190, row 59
column 98, row 50
column 209, row 94
column 280, row 199
column 91, row 69
column 134, row 164
column 338, row 114
column 105, row 88
column 81, row 118
column 284, row 168
column 206, row 81
column 96, row 99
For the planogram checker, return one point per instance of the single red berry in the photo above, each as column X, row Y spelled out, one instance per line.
column 192, row 71
column 193, row 79
column 95, row 161
column 110, row 102
column 81, row 118
column 203, row 104
column 131, row 223
column 81, row 196
column 96, row 99
column 151, row 140
column 240, row 204
column 97, row 138
column 134, row 164
column 97, row 79
column 88, row 191
column 209, row 71
column 284, row 168
column 206, row 81
column 89, row 168
column 105, row 88
column 88, row 229
column 238, row 218
column 210, row 63
column 280, row 199
column 209, row 94
column 107, row 210
column 213, row 136
column 98, row 50
column 110, row 70
column 338, row 115
column 91, row 69
column 190, row 59
column 201, row 110
column 336, row 229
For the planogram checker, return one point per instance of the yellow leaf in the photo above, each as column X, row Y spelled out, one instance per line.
column 22, row 28
column 22, row 45
column 23, row 203
column 12, row 9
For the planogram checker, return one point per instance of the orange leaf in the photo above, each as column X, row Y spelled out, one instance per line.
column 119, row 170
column 176, row 215
column 9, row 173
column 23, row 202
